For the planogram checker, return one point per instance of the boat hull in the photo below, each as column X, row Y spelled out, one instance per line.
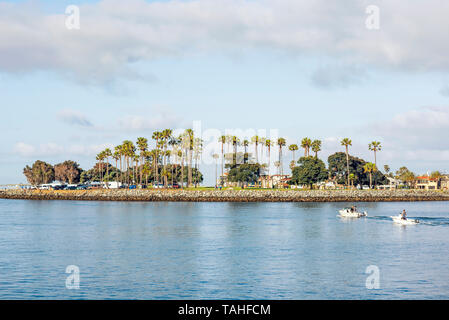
column 348, row 214
column 399, row 220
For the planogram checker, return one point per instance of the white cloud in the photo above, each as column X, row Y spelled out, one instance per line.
column 115, row 34
column 157, row 120
column 24, row 149
column 53, row 149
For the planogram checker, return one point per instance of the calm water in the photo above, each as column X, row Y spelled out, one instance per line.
column 220, row 250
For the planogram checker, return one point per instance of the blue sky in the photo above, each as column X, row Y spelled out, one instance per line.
column 304, row 70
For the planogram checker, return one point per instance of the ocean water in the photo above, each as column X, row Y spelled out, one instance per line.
column 141, row 250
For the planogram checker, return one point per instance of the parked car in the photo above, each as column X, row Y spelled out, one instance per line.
column 81, row 187
column 365, row 187
column 158, row 186
column 133, row 186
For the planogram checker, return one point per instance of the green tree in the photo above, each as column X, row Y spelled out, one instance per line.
column 337, row 164
column 39, row 173
column 310, row 170
column 245, row 173
column 68, row 172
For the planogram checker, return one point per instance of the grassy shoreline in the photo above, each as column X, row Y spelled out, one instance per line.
column 212, row 195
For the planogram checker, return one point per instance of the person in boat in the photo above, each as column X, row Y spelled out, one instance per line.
column 352, row 209
column 355, row 208
column 404, row 215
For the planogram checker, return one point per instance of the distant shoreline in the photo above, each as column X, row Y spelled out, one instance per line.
column 229, row 195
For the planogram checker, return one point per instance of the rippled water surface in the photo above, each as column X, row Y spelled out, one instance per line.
column 221, row 250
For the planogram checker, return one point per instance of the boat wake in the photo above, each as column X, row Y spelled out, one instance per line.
column 430, row 221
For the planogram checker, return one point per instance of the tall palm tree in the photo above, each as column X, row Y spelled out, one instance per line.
column 245, row 144
column 190, row 142
column 100, row 158
column 352, row 178
column 370, row 168
column 157, row 135
column 256, row 141
column 129, row 151
column 235, row 142
column 293, row 148
column 107, row 153
column 306, row 143
column 375, row 146
column 116, row 157
column 197, row 149
column 281, row 143
column 223, row 141
column 119, row 151
column 216, row 156
column 142, row 145
column 316, row 147
column 268, row 144
column 346, row 142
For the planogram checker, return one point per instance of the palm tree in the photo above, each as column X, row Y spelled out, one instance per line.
column 142, row 145
column 235, row 142
column 198, row 149
column 352, row 178
column 129, row 150
column 277, row 164
column 100, row 158
column 316, row 147
column 256, row 141
column 306, row 144
column 245, row 144
column 107, row 153
column 166, row 137
column 281, row 143
column 222, row 139
column 375, row 146
column 189, row 136
column 119, row 151
column 116, row 157
column 216, row 156
column 370, row 168
column 268, row 145
column 157, row 135
column 346, row 142
column 293, row 148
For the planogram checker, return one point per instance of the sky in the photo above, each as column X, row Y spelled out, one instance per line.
column 297, row 68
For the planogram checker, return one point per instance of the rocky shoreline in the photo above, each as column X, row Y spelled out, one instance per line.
column 230, row 195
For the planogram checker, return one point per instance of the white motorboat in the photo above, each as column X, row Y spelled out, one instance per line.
column 349, row 213
column 398, row 219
